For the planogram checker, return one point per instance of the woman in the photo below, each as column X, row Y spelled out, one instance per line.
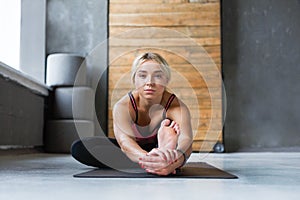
column 151, row 125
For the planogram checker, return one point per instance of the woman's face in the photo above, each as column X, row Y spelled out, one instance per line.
column 150, row 80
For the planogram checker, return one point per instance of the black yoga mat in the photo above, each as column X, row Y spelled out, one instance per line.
column 190, row 170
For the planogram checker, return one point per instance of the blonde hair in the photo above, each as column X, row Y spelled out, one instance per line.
column 153, row 57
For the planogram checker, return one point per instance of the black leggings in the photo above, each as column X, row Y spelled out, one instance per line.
column 103, row 152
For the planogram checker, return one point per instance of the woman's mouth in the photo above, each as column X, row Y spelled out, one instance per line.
column 149, row 91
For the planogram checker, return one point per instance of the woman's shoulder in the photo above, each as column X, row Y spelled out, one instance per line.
column 176, row 101
column 122, row 102
column 167, row 95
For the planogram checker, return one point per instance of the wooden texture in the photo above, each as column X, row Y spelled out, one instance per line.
column 163, row 8
column 146, row 1
column 187, row 34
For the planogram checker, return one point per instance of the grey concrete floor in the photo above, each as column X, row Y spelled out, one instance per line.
column 50, row 176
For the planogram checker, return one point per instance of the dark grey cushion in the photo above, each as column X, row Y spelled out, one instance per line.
column 73, row 103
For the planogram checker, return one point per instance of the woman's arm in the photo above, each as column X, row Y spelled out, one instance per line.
column 183, row 118
column 180, row 114
column 123, row 131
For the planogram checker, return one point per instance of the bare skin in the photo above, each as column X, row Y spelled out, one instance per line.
column 168, row 134
column 167, row 142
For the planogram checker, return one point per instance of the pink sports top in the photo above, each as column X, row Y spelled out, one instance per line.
column 150, row 137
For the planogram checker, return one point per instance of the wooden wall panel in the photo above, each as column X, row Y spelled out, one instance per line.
column 198, row 86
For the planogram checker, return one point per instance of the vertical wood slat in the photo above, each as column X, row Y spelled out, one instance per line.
column 198, row 20
column 134, row 8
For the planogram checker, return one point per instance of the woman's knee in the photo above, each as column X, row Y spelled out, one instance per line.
column 76, row 147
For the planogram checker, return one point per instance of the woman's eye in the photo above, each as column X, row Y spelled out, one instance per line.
column 142, row 75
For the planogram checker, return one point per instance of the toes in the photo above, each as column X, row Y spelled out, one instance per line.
column 172, row 124
column 166, row 122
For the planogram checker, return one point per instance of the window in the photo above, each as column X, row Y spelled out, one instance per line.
column 10, row 23
column 23, row 36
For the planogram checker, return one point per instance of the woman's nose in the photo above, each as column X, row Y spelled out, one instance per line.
column 149, row 80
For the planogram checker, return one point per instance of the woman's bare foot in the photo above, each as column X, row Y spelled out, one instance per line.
column 168, row 134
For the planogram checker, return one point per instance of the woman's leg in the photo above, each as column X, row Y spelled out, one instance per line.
column 80, row 152
column 101, row 152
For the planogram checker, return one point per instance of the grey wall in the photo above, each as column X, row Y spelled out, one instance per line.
column 261, row 68
column 76, row 26
column 21, row 115
column 79, row 26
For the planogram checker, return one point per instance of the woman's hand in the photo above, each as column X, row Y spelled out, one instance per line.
column 160, row 161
